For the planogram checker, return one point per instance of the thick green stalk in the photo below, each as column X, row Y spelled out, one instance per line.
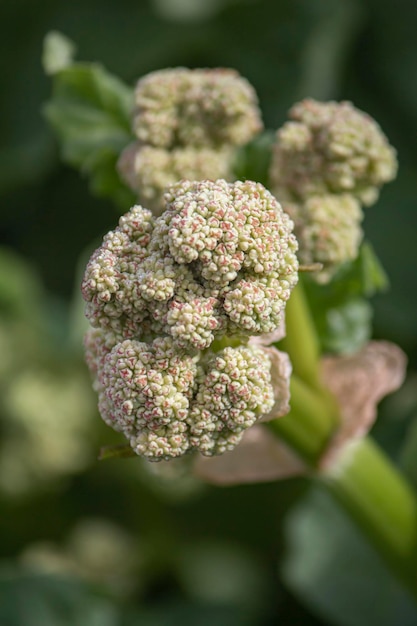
column 310, row 423
column 362, row 479
column 380, row 501
column 301, row 341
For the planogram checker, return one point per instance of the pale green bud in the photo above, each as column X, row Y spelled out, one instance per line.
column 201, row 107
column 328, row 229
column 148, row 171
column 331, row 148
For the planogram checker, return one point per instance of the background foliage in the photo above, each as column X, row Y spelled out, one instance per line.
column 111, row 543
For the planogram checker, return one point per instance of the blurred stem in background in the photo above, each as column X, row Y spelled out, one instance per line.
column 362, row 479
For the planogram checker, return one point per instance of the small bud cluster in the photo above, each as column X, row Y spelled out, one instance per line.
column 329, row 231
column 148, row 170
column 333, row 155
column 163, row 293
column 188, row 124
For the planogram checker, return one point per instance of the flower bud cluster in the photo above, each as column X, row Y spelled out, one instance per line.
column 188, row 124
column 329, row 231
column 333, row 155
column 148, row 170
column 167, row 295
column 221, row 260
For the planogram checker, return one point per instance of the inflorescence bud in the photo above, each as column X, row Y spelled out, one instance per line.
column 331, row 148
column 173, row 302
column 328, row 230
column 337, row 156
column 188, row 124
column 149, row 171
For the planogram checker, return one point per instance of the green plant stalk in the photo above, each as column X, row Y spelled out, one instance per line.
column 381, row 503
column 362, row 479
column 314, row 414
column 308, row 426
column 301, row 341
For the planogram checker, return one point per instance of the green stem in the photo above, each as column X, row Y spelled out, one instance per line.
column 301, row 341
column 362, row 479
column 310, row 423
column 376, row 496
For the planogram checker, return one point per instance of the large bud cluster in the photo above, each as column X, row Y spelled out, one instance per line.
column 220, row 261
column 164, row 293
column 168, row 402
column 333, row 155
column 188, row 124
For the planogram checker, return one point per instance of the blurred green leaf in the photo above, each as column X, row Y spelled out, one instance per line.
column 345, row 328
column 190, row 614
column 33, row 599
column 116, row 452
column 364, row 276
column 252, row 160
column 368, row 272
column 28, row 599
column 58, row 52
column 221, row 573
column 20, row 289
column 335, row 571
column 341, row 311
column 90, row 113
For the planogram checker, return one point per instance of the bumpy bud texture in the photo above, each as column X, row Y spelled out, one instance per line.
column 220, row 260
column 189, row 124
column 218, row 265
column 110, row 286
column 328, row 231
column 328, row 160
column 200, row 108
column 331, row 148
column 168, row 402
column 234, row 392
column 149, row 171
